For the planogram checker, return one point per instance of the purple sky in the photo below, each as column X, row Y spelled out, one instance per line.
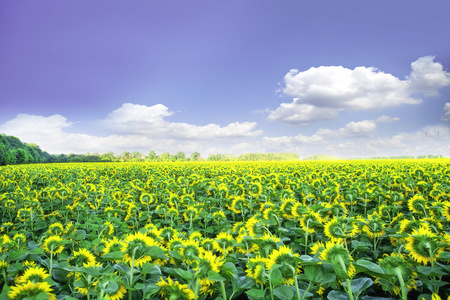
column 347, row 78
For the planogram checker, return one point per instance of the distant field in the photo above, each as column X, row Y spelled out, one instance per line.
column 374, row 229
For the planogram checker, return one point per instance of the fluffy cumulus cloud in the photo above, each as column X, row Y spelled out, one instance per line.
column 150, row 121
column 132, row 128
column 320, row 93
column 446, row 116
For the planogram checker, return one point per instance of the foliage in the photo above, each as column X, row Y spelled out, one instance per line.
column 208, row 230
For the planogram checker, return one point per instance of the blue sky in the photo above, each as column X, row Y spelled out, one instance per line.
column 346, row 78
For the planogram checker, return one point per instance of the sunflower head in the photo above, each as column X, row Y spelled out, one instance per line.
column 33, row 274
column 288, row 262
column 396, row 266
column 423, row 245
column 256, row 268
column 30, row 290
column 53, row 244
column 174, row 290
column 338, row 256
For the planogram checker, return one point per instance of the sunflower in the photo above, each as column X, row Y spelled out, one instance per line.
column 83, row 257
column 30, row 290
column 219, row 216
column 207, row 262
column 108, row 228
column 249, row 245
column 423, row 245
column 174, row 290
column 207, row 244
column 338, row 229
column 254, row 226
column 237, row 205
column 191, row 250
column 112, row 286
column 167, row 233
column 417, row 204
column 317, row 248
column 113, row 245
column 289, row 263
column 33, row 274
column 255, row 189
column 336, row 254
column 136, row 248
column 147, row 199
column 19, row 238
column 196, row 236
column 83, row 284
column 53, row 244
column 190, row 213
column 397, row 268
column 373, row 226
column 446, row 210
column 223, row 243
column 267, row 243
column 256, row 268
column 56, row 229
column 287, row 207
column 311, row 221
column 299, row 209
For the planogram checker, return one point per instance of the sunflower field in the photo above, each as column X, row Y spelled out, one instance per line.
column 368, row 230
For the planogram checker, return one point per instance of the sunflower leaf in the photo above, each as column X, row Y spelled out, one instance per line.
column 214, row 276
column 337, row 295
column 360, row 284
column 276, row 278
column 284, row 292
column 256, row 294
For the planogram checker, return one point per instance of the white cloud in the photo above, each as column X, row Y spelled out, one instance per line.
column 386, row 119
column 149, row 121
column 427, row 76
column 351, row 130
column 320, row 93
column 134, row 128
column 301, row 114
column 446, row 116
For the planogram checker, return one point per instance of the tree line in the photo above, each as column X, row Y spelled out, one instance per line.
column 13, row 151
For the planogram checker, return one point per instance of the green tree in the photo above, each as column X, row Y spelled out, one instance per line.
column 152, row 156
column 180, row 156
column 194, row 156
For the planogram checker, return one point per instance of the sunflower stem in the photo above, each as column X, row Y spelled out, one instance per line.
column 349, row 286
column 196, row 289
column 295, row 281
column 398, row 272
column 224, row 292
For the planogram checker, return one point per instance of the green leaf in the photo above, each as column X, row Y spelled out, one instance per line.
column 151, row 269
column 176, row 255
column 337, row 295
column 116, row 255
column 375, row 298
column 360, row 284
column 276, row 278
column 319, row 274
column 430, row 271
column 42, row 296
column 156, row 253
column 38, row 250
column 150, row 290
column 284, row 292
column 366, row 265
column 18, row 255
column 180, row 273
column 444, row 256
column 256, row 294
column 244, row 283
column 111, row 287
column 214, row 276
